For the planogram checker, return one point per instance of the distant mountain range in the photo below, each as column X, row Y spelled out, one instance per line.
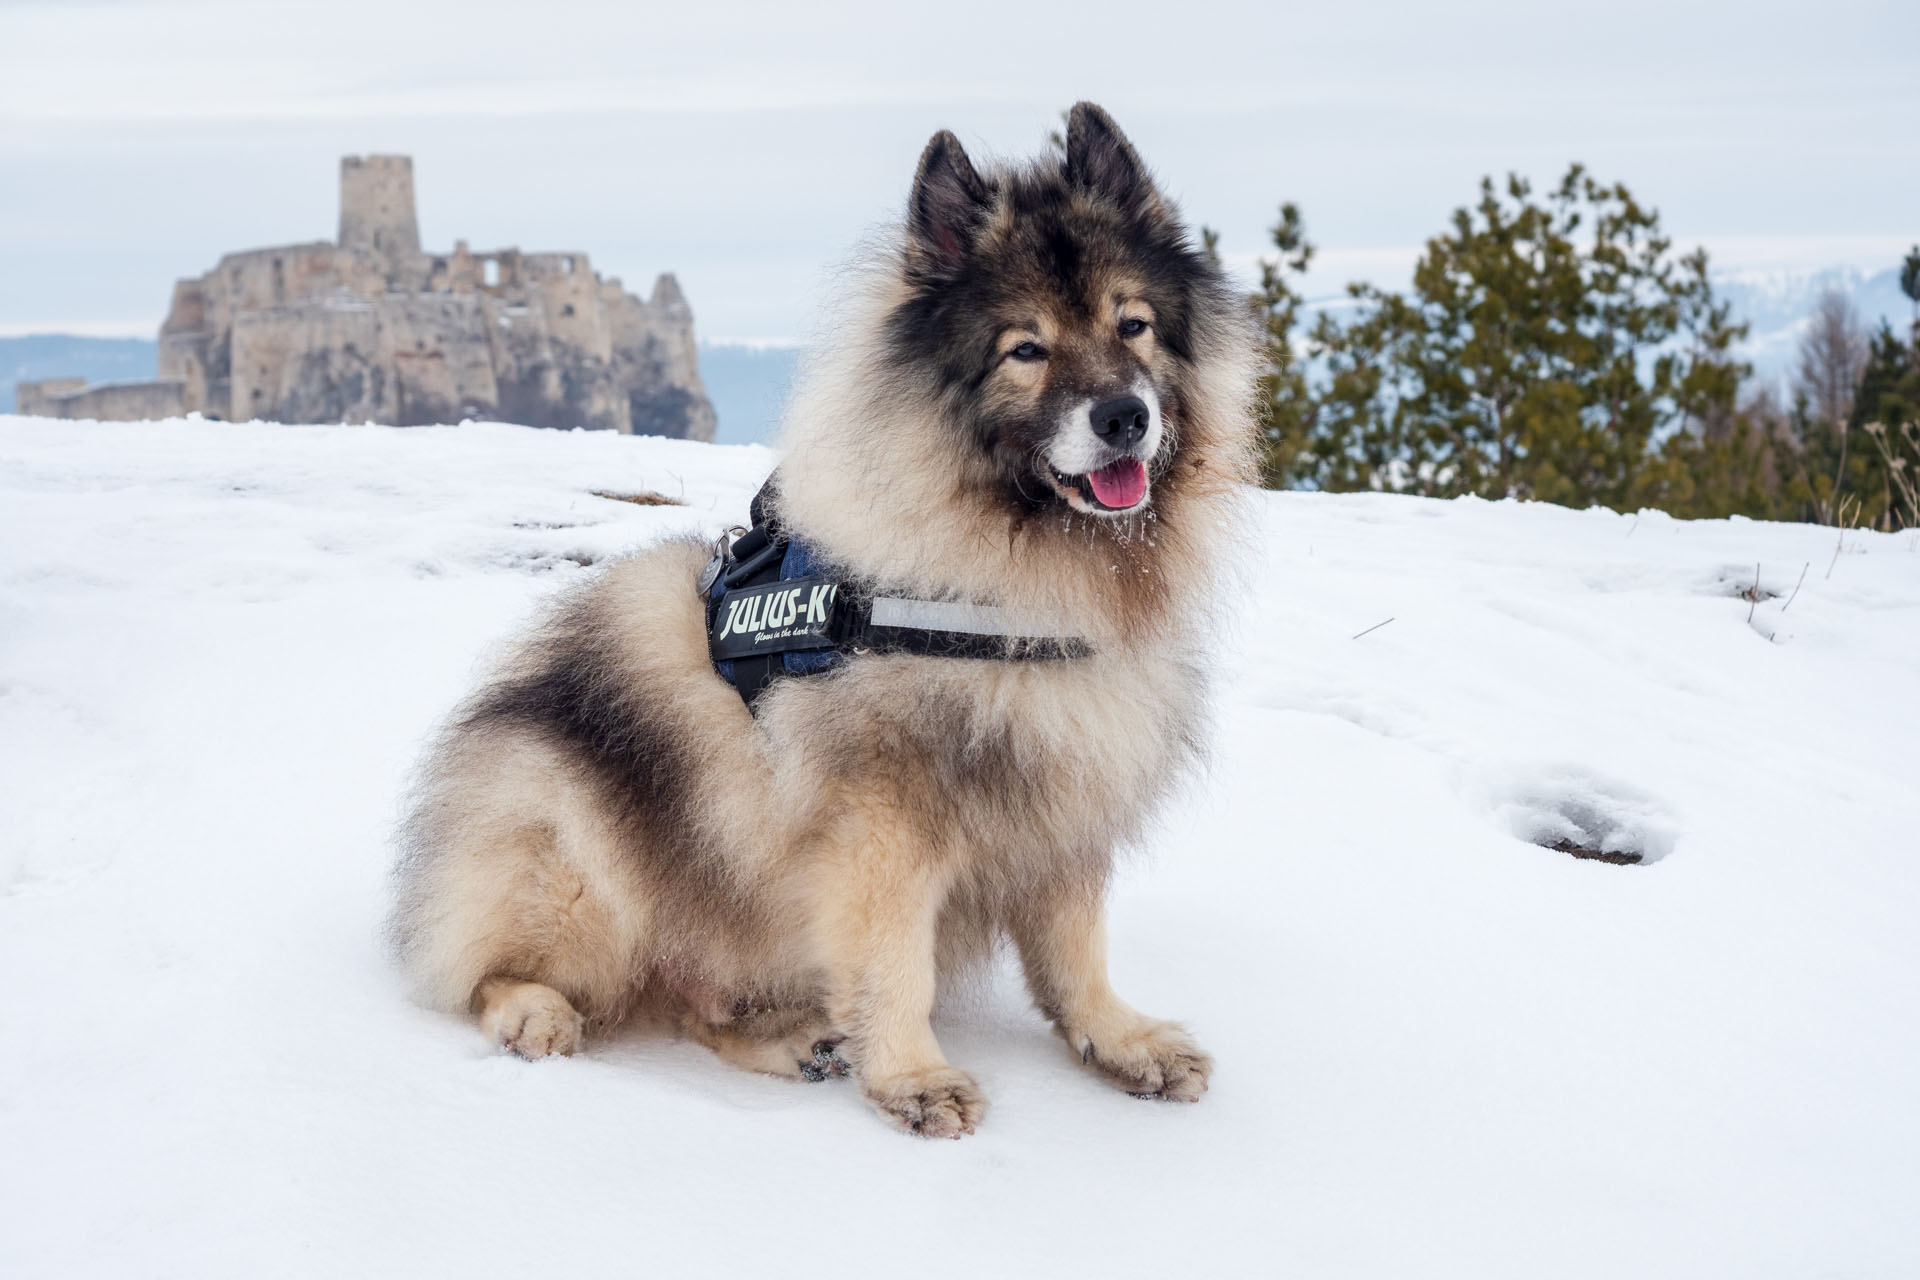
column 748, row 382
column 1776, row 304
column 60, row 355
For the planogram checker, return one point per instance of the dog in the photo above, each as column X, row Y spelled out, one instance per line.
column 1039, row 399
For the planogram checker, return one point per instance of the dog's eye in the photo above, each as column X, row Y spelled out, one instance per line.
column 1132, row 327
column 1029, row 351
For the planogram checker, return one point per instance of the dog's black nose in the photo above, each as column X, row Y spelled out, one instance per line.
column 1122, row 421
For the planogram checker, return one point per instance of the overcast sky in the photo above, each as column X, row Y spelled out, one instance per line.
column 748, row 146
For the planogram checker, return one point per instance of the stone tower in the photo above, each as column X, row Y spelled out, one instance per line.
column 376, row 208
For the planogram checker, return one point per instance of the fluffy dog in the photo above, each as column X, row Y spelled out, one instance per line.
column 1038, row 400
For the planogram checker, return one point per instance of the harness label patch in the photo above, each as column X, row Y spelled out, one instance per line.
column 795, row 614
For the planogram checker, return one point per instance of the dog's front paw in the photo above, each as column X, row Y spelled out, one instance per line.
column 1148, row 1059
column 940, row 1102
column 533, row 1021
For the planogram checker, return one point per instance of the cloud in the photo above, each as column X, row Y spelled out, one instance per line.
column 748, row 145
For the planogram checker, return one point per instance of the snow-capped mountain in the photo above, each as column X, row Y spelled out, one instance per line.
column 1775, row 303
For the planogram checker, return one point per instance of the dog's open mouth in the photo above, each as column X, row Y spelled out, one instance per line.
column 1121, row 485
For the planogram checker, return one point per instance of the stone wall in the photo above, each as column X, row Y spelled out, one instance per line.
column 38, row 399
column 107, row 402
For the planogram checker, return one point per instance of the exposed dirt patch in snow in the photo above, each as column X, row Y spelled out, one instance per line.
column 1618, row 858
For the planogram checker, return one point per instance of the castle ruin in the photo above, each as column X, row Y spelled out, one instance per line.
column 372, row 329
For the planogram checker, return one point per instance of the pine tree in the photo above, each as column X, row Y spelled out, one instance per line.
column 1752, row 468
column 1545, row 349
column 1887, row 415
column 1286, row 402
column 1910, row 285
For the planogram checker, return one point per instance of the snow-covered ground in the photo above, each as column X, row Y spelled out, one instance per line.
column 1442, row 1049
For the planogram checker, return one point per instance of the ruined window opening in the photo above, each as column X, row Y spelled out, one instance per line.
column 567, row 310
column 490, row 271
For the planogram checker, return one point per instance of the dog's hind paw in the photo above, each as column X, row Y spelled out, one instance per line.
column 1151, row 1060
column 940, row 1102
column 824, row 1062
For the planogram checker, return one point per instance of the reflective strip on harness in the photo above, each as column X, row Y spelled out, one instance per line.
column 959, row 616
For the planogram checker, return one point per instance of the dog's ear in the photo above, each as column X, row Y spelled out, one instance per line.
column 1103, row 163
column 948, row 207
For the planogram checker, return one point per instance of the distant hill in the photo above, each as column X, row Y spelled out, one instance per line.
column 746, row 382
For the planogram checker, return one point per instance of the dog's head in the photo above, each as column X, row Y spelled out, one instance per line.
column 1059, row 313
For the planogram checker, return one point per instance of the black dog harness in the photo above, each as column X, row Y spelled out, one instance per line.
column 776, row 607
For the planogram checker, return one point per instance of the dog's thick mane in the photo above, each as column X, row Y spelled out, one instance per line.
column 879, row 474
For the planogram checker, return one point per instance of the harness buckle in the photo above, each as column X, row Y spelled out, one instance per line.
column 722, row 552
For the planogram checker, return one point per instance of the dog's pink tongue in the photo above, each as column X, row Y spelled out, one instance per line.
column 1120, row 484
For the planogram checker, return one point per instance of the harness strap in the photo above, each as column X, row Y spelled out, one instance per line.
column 757, row 554
column 954, row 629
column 822, row 613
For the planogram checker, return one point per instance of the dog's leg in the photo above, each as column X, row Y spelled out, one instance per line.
column 878, row 908
column 530, row 1018
column 1062, row 939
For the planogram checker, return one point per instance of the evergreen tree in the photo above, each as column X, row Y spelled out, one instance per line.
column 1753, row 468
column 1910, row 285
column 1286, row 403
column 1545, row 350
column 1887, row 415
column 1210, row 245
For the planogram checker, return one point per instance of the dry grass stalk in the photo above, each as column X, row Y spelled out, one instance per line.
column 643, row 498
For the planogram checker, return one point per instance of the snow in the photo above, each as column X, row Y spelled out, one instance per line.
column 1442, row 1050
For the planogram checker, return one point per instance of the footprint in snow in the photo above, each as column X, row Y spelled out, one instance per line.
column 1576, row 811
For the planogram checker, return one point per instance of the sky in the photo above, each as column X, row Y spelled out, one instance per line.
column 749, row 147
